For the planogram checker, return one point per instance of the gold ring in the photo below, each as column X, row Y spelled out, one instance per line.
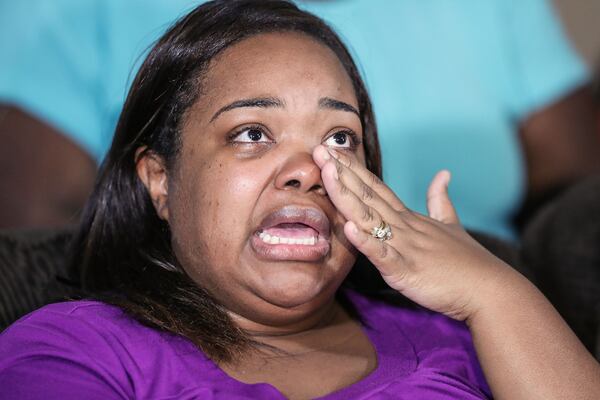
column 382, row 232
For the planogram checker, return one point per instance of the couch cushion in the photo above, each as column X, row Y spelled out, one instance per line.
column 31, row 263
column 562, row 246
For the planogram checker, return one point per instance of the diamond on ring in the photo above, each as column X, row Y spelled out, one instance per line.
column 382, row 232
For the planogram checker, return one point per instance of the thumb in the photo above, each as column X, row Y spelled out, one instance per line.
column 439, row 205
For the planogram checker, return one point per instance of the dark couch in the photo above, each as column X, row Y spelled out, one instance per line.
column 31, row 266
column 561, row 248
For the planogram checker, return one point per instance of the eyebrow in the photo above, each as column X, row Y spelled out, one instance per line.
column 266, row 102
column 333, row 104
column 261, row 102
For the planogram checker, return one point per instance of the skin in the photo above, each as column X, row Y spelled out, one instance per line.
column 554, row 158
column 262, row 175
column 566, row 131
column 44, row 177
column 222, row 187
column 561, row 145
column 38, row 188
column 527, row 352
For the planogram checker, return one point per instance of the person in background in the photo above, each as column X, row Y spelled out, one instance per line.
column 596, row 91
column 218, row 247
column 63, row 79
column 491, row 91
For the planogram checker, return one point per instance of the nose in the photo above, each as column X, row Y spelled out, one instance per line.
column 300, row 173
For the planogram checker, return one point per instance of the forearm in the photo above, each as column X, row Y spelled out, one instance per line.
column 525, row 348
column 561, row 143
column 45, row 178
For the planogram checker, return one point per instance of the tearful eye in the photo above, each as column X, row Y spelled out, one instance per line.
column 250, row 135
column 254, row 135
column 340, row 139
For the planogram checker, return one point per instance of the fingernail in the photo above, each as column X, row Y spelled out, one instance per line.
column 326, row 156
column 353, row 228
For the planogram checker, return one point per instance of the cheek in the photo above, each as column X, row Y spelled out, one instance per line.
column 343, row 252
column 212, row 212
column 361, row 156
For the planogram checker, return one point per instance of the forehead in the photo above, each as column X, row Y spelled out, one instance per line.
column 276, row 64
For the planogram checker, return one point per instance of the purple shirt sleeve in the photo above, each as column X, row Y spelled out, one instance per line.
column 54, row 355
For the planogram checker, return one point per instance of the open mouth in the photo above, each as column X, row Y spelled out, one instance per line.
column 290, row 233
column 293, row 233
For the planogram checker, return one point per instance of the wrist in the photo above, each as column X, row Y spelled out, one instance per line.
column 500, row 291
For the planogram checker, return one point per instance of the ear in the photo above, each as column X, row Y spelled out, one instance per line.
column 153, row 174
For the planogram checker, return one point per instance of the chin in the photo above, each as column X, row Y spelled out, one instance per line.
column 293, row 290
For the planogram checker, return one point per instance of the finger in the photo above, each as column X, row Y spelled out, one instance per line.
column 346, row 201
column 384, row 257
column 321, row 155
column 365, row 193
column 439, row 205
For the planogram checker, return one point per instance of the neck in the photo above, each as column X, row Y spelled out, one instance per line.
column 261, row 332
column 330, row 327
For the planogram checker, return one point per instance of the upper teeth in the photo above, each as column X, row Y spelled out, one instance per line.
column 272, row 239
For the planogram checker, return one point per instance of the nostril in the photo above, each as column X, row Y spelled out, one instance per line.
column 316, row 188
column 295, row 183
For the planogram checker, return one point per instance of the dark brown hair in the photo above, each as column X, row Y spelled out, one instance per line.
column 123, row 249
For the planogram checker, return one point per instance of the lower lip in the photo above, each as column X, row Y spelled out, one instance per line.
column 289, row 252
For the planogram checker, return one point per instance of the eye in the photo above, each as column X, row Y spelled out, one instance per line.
column 343, row 139
column 250, row 134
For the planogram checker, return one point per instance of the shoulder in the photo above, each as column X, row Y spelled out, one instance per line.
column 90, row 346
column 69, row 318
column 88, row 326
column 62, row 347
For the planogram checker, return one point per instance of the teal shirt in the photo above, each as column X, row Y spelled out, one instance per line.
column 450, row 81
column 71, row 62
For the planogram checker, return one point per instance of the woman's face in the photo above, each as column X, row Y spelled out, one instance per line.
column 250, row 219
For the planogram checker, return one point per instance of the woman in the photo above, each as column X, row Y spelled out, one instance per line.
column 241, row 185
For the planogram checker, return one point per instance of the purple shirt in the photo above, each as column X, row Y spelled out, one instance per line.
column 88, row 349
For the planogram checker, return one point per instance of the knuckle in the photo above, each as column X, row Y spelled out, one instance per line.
column 405, row 215
column 348, row 162
column 399, row 209
column 375, row 181
column 367, row 193
column 368, row 215
column 344, row 191
column 339, row 169
column 383, row 251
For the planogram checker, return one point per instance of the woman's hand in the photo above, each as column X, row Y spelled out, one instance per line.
column 525, row 349
column 431, row 260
